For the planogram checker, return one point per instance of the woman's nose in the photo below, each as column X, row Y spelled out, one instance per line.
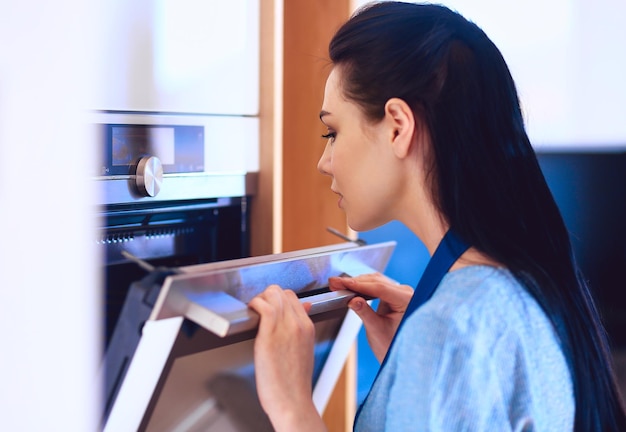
column 323, row 165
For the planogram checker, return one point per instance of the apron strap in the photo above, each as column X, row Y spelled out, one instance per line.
column 449, row 250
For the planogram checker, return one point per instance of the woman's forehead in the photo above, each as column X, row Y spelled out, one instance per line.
column 332, row 89
column 334, row 98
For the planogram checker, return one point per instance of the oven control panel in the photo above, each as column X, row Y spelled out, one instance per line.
column 178, row 148
column 151, row 158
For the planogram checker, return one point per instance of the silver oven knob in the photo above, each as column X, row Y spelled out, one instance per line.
column 149, row 176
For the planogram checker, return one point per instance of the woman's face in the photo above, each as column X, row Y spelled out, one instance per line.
column 358, row 159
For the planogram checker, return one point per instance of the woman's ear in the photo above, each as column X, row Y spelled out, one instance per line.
column 401, row 121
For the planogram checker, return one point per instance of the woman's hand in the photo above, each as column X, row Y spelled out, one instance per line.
column 380, row 325
column 284, row 360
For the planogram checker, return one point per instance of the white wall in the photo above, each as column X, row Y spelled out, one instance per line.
column 568, row 59
column 49, row 314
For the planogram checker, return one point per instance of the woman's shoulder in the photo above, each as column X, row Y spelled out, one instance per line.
column 484, row 299
column 479, row 283
column 481, row 287
column 483, row 344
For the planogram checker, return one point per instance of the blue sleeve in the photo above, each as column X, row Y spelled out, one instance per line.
column 450, row 380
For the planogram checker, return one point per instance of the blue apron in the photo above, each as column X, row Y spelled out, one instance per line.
column 449, row 250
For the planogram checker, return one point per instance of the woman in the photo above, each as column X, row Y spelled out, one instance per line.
column 424, row 126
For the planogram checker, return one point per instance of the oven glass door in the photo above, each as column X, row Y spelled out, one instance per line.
column 214, row 390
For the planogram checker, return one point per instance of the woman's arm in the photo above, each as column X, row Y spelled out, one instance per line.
column 284, row 360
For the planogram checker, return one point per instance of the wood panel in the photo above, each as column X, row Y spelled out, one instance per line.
column 308, row 204
column 341, row 409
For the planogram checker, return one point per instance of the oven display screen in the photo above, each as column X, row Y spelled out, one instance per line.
column 179, row 148
column 129, row 144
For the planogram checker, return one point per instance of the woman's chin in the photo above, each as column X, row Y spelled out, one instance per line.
column 360, row 226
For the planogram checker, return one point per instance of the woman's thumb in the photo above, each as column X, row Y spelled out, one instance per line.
column 363, row 310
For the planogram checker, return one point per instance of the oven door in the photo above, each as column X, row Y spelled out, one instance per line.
column 193, row 366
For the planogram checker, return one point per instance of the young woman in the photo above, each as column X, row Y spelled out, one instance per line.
column 424, row 127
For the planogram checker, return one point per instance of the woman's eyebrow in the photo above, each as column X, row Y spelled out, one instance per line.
column 322, row 114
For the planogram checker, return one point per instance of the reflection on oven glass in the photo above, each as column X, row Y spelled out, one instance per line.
column 211, row 391
column 214, row 390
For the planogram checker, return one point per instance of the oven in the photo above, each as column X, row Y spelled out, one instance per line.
column 168, row 235
column 169, row 195
column 173, row 221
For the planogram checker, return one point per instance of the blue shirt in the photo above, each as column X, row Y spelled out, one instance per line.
column 480, row 355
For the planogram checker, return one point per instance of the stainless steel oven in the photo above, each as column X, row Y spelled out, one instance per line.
column 169, row 197
column 175, row 194
column 169, row 194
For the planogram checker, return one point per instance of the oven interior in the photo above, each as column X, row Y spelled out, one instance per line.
column 166, row 235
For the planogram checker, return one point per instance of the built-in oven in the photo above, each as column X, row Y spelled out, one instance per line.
column 170, row 234
column 173, row 221
column 170, row 194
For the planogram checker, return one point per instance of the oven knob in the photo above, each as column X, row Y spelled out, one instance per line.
column 149, row 176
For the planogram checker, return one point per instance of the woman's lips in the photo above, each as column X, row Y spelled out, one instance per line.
column 340, row 198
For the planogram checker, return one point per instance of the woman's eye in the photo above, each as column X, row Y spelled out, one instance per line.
column 330, row 136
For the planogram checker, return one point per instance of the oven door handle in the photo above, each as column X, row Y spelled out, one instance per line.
column 224, row 315
column 328, row 301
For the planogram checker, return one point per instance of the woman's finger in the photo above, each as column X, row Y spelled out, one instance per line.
column 268, row 301
column 374, row 285
column 364, row 311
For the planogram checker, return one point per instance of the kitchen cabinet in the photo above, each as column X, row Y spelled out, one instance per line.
column 181, row 56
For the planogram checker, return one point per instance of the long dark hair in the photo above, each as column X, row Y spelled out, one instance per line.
column 485, row 178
